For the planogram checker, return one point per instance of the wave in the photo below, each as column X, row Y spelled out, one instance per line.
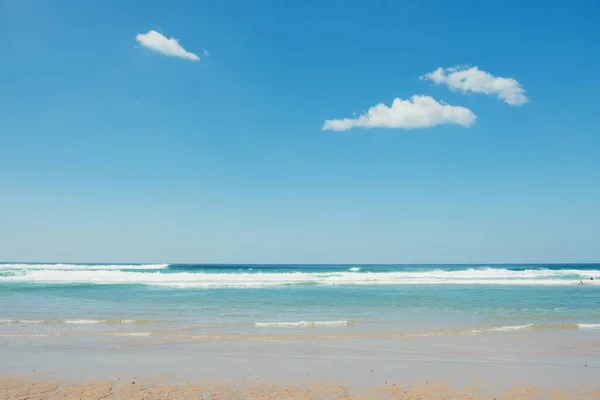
column 509, row 328
column 299, row 324
column 589, row 326
column 114, row 275
column 22, row 321
column 83, row 267
column 81, row 321
column 354, row 269
column 506, row 328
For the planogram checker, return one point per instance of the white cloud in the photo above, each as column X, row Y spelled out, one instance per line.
column 417, row 112
column 477, row 81
column 206, row 53
column 169, row 47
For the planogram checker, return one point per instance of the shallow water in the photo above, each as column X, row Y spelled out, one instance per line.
column 251, row 301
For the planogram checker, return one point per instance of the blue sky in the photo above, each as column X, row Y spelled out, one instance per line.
column 110, row 151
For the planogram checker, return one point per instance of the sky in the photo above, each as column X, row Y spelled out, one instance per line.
column 300, row 131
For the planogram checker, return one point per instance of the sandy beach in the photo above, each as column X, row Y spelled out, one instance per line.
column 526, row 365
column 116, row 334
column 48, row 389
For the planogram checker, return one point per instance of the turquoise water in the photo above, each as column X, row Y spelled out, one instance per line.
column 193, row 301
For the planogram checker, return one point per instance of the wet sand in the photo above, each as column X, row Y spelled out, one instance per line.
column 523, row 365
column 13, row 388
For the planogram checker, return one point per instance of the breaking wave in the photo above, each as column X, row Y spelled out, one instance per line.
column 82, row 267
column 213, row 277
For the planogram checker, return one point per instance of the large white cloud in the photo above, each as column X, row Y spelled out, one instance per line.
column 169, row 47
column 417, row 112
column 477, row 81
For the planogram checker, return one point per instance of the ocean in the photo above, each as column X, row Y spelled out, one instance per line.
column 266, row 302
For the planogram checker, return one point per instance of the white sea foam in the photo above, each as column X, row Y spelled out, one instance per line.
column 510, row 328
column 473, row 276
column 137, row 334
column 82, row 321
column 299, row 324
column 83, row 267
column 354, row 269
column 589, row 326
column 20, row 321
column 506, row 328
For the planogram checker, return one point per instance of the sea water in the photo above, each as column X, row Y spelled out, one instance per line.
column 229, row 302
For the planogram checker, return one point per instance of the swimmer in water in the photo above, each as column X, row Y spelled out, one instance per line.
column 581, row 283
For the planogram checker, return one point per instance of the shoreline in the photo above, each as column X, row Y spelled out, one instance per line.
column 538, row 363
column 295, row 332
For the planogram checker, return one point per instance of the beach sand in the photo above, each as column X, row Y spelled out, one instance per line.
column 14, row 388
column 517, row 365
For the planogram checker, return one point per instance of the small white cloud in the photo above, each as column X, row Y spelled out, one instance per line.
column 477, row 81
column 206, row 53
column 169, row 47
column 417, row 112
